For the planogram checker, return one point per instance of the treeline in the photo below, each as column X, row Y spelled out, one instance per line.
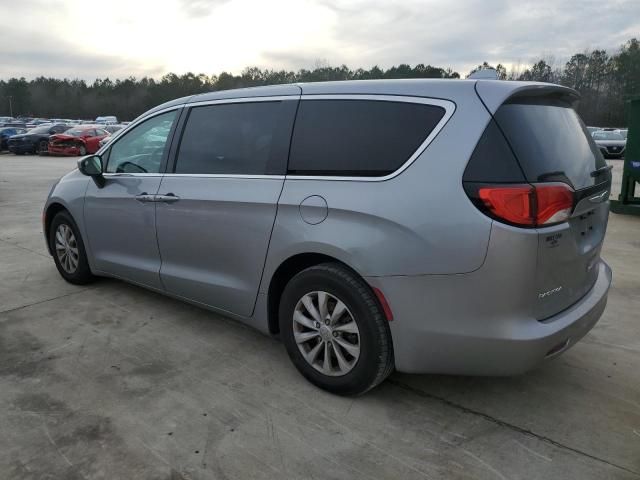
column 605, row 81
column 128, row 98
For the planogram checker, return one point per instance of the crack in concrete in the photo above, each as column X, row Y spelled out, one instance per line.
column 24, row 248
column 507, row 425
column 38, row 302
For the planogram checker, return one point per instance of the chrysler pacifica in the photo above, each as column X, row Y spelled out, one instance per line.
column 447, row 226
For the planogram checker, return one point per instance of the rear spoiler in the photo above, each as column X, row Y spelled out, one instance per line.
column 495, row 93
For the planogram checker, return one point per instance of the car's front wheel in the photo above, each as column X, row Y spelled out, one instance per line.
column 82, row 150
column 335, row 331
column 68, row 250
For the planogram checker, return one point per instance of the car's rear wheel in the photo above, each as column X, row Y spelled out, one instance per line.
column 82, row 150
column 335, row 331
column 68, row 250
column 43, row 147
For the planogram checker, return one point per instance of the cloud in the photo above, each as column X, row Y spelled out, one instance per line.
column 37, row 55
column 151, row 38
column 200, row 8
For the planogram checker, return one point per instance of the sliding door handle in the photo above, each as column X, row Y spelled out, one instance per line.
column 145, row 198
column 168, row 198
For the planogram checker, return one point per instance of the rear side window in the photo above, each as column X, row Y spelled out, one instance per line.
column 492, row 160
column 550, row 142
column 358, row 137
column 242, row 139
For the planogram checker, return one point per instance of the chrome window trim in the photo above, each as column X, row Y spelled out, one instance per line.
column 448, row 106
column 222, row 101
column 125, row 175
column 224, row 175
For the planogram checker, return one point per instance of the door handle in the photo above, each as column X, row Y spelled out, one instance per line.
column 145, row 198
column 168, row 198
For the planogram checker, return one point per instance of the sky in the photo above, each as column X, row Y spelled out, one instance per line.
column 122, row 38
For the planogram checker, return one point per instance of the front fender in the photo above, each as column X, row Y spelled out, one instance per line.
column 68, row 193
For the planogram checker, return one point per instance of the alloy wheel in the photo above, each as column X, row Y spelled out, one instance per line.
column 326, row 333
column 67, row 248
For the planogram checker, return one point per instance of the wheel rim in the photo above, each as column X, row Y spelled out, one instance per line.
column 83, row 151
column 326, row 333
column 44, row 146
column 67, row 248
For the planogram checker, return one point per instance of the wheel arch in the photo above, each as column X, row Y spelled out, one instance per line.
column 285, row 272
column 50, row 212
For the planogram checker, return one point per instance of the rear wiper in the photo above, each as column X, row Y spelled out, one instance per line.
column 601, row 170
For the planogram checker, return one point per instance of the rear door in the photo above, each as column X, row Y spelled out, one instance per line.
column 551, row 144
column 216, row 209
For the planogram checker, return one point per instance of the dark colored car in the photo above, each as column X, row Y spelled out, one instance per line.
column 79, row 140
column 6, row 132
column 35, row 140
column 611, row 143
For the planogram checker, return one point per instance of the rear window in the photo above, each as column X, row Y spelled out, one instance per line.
column 550, row 142
column 358, row 137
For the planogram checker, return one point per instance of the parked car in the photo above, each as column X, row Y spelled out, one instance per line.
column 34, row 122
column 418, row 225
column 106, row 120
column 112, row 128
column 611, row 143
column 14, row 123
column 105, row 140
column 78, row 140
column 593, row 129
column 35, row 140
column 624, row 132
column 5, row 133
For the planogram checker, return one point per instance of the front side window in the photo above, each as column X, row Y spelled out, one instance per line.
column 358, row 137
column 141, row 149
column 249, row 138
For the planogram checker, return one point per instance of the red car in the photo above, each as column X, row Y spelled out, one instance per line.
column 79, row 140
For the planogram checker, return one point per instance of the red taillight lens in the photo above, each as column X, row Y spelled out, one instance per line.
column 528, row 205
column 555, row 203
column 511, row 203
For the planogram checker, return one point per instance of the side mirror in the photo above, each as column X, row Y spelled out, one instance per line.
column 91, row 166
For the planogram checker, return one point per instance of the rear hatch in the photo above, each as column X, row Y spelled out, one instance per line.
column 569, row 191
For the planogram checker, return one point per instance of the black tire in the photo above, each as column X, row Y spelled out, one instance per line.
column 375, row 361
column 43, row 147
column 82, row 274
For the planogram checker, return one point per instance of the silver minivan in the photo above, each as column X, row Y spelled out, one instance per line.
column 445, row 226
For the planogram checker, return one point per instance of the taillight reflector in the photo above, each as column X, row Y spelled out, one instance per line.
column 528, row 205
column 384, row 304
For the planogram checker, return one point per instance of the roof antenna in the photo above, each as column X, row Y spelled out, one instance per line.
column 484, row 74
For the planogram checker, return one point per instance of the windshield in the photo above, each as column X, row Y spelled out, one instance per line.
column 75, row 132
column 41, row 129
column 607, row 136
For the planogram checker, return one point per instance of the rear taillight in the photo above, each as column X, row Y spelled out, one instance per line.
column 524, row 205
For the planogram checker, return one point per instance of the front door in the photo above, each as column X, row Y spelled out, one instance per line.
column 120, row 217
column 216, row 210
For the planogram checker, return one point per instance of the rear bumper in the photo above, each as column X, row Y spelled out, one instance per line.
column 442, row 325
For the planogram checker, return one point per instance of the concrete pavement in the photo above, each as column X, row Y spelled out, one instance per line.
column 112, row 381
